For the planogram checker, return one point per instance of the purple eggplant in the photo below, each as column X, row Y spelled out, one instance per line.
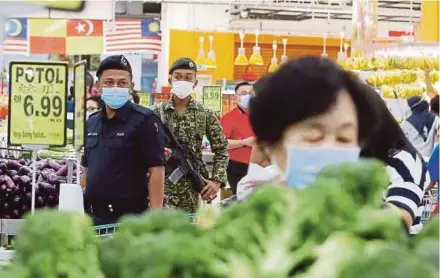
column 16, row 179
column 54, row 165
column 39, row 202
column 46, row 188
column 52, row 201
column 15, row 214
column 52, row 178
column 22, row 162
column 14, row 165
column 16, row 200
column 3, row 168
column 12, row 173
column 3, row 187
column 62, row 171
column 25, row 180
column 41, row 164
column 25, row 171
column 9, row 183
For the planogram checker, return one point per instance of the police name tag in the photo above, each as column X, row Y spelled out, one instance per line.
column 176, row 176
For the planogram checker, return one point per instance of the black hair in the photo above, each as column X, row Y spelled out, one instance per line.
column 89, row 81
column 98, row 100
column 245, row 83
column 434, row 103
column 135, row 97
column 310, row 86
column 71, row 93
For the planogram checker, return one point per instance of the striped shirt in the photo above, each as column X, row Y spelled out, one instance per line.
column 408, row 182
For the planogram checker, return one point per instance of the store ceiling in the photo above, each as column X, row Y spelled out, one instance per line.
column 300, row 10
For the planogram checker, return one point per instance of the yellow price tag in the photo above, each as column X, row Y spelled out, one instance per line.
column 79, row 81
column 73, row 5
column 37, row 103
column 212, row 97
column 145, row 99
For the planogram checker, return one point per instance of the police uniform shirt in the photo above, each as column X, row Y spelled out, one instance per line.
column 119, row 151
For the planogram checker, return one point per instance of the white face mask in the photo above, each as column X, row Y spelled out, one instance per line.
column 182, row 89
column 244, row 100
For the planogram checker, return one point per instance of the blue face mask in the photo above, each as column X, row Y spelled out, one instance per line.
column 115, row 97
column 304, row 163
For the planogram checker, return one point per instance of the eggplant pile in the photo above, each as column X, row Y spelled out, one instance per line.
column 16, row 186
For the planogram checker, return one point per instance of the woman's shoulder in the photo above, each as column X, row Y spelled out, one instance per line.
column 408, row 165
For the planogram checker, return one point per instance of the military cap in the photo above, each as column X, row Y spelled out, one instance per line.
column 183, row 63
column 115, row 62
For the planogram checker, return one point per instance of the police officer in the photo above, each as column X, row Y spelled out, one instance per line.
column 190, row 120
column 124, row 142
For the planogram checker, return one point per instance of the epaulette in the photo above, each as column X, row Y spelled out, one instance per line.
column 141, row 109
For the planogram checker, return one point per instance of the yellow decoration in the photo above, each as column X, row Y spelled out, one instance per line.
column 274, row 61
column 211, row 61
column 241, row 59
column 256, row 58
column 284, row 57
column 200, row 59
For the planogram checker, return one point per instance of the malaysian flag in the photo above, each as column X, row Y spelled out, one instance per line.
column 133, row 36
column 17, row 39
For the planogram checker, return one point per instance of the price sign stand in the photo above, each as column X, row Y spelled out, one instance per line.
column 34, row 149
column 37, row 113
column 212, row 98
column 79, row 130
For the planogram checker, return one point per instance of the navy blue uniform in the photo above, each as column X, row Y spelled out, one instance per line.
column 118, row 153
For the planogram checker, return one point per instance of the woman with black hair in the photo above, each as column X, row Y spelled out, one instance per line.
column 312, row 110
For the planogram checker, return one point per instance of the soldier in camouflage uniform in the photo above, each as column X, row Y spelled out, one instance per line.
column 190, row 120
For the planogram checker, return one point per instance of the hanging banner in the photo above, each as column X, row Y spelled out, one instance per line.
column 79, row 85
column 37, row 103
column 364, row 22
column 212, row 97
column 145, row 99
column 72, row 5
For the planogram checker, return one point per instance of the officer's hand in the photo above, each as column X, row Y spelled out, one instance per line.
column 210, row 190
column 168, row 153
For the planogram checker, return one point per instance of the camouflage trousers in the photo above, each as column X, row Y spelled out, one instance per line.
column 182, row 195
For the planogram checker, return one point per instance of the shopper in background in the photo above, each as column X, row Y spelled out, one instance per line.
column 124, row 142
column 89, row 84
column 134, row 97
column 434, row 105
column 238, row 131
column 421, row 127
column 93, row 105
column 311, row 108
column 190, row 120
column 70, row 107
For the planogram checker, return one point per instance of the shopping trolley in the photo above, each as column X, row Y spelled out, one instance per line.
column 429, row 205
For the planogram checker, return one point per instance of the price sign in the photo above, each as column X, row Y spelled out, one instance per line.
column 145, row 99
column 79, row 84
column 37, row 103
column 212, row 97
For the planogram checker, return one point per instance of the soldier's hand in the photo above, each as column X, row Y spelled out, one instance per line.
column 210, row 190
column 168, row 153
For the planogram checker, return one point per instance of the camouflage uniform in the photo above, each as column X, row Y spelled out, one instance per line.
column 190, row 127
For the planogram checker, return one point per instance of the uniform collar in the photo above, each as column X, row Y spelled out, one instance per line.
column 121, row 113
column 169, row 105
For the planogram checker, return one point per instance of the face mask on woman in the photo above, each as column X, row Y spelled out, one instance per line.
column 304, row 163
